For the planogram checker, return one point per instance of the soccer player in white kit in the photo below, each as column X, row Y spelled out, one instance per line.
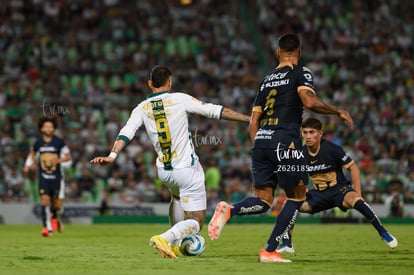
column 165, row 117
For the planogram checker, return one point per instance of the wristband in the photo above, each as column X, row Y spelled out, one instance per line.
column 28, row 162
column 113, row 155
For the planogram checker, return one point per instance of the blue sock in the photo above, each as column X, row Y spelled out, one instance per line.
column 284, row 223
column 287, row 237
column 249, row 206
column 369, row 214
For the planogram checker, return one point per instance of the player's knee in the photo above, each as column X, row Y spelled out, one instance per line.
column 351, row 199
column 297, row 194
column 305, row 208
column 265, row 195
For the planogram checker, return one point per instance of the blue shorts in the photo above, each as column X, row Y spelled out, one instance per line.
column 50, row 187
column 279, row 166
column 329, row 198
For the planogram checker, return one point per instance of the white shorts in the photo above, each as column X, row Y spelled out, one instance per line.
column 187, row 184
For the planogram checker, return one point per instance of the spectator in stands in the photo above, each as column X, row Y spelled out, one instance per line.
column 15, row 185
column 86, row 184
column 395, row 200
column 131, row 194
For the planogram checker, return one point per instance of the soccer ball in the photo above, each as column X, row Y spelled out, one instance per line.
column 193, row 245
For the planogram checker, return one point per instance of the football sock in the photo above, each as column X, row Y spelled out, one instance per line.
column 43, row 216
column 55, row 213
column 287, row 237
column 284, row 223
column 249, row 206
column 176, row 212
column 59, row 213
column 180, row 230
column 370, row 215
column 48, row 218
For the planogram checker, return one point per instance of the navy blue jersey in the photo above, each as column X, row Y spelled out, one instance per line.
column 48, row 151
column 325, row 168
column 279, row 102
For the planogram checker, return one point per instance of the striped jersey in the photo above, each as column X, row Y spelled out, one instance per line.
column 165, row 117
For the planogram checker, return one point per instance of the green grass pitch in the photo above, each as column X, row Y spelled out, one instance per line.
column 123, row 249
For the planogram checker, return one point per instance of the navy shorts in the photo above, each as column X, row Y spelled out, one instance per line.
column 279, row 166
column 329, row 198
column 50, row 187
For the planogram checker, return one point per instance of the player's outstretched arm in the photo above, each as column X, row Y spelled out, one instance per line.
column 230, row 114
column 314, row 103
column 116, row 148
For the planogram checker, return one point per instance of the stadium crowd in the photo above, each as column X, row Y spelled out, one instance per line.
column 87, row 61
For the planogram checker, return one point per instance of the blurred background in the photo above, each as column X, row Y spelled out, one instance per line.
column 87, row 61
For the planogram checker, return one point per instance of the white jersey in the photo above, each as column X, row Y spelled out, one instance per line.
column 165, row 116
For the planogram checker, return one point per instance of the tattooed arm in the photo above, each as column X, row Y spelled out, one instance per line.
column 229, row 114
column 314, row 103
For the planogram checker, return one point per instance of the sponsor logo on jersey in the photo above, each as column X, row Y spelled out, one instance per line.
column 278, row 75
column 274, row 84
column 264, row 134
column 47, row 149
column 319, row 167
column 157, row 104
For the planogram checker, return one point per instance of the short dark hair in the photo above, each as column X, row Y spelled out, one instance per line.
column 289, row 42
column 42, row 120
column 312, row 123
column 159, row 76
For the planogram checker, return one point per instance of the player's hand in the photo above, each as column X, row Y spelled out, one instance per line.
column 28, row 169
column 346, row 117
column 102, row 160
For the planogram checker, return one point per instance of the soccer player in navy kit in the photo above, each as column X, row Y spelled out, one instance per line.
column 277, row 156
column 51, row 151
column 325, row 161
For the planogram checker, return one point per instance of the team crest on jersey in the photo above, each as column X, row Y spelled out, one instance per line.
column 47, row 162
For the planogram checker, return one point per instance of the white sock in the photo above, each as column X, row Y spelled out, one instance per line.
column 180, row 230
column 48, row 218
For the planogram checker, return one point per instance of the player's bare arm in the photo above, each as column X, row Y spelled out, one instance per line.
column 314, row 103
column 66, row 157
column 116, row 148
column 254, row 125
column 229, row 114
column 30, row 162
column 355, row 177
